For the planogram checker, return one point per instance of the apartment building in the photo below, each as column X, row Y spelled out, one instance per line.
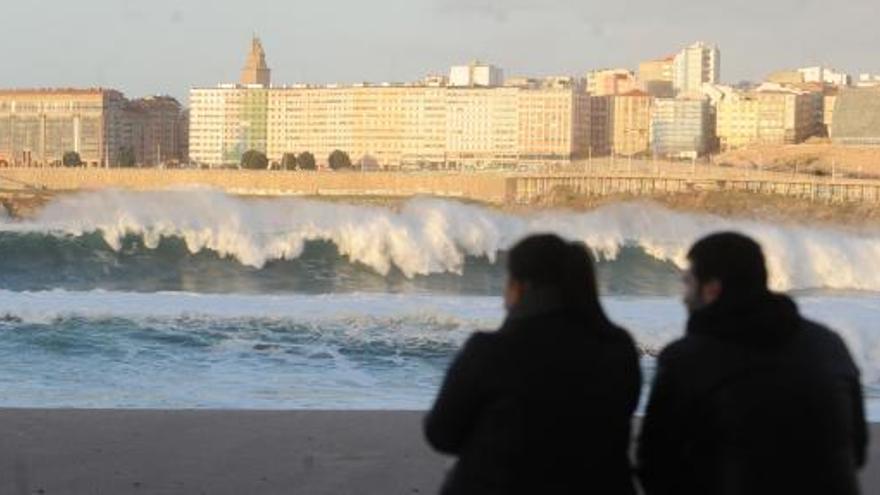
column 631, row 123
column 601, row 125
column 607, row 82
column 656, row 77
column 696, row 65
column 554, row 122
column 392, row 126
column 816, row 75
column 38, row 126
column 226, row 121
column 476, row 74
column 155, row 130
column 771, row 115
column 681, row 127
column 867, row 80
column 482, row 126
column 825, row 75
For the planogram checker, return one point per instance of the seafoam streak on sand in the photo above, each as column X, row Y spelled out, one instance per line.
column 425, row 236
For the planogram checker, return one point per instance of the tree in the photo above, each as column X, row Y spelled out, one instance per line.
column 288, row 161
column 254, row 160
column 71, row 159
column 306, row 161
column 339, row 160
column 126, row 157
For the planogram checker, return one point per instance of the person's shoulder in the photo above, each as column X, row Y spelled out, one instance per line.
column 480, row 339
column 483, row 342
column 476, row 351
column 823, row 336
column 825, row 340
column 684, row 350
column 619, row 336
column 816, row 330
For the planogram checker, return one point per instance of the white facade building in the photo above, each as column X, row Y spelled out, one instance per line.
column 868, row 80
column 476, row 74
column 226, row 121
column 696, row 65
column 820, row 74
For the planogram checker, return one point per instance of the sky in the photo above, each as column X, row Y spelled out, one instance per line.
column 168, row 46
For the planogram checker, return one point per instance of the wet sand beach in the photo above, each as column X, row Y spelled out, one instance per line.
column 228, row 452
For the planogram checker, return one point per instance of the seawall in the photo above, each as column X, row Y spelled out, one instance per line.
column 489, row 187
column 486, row 187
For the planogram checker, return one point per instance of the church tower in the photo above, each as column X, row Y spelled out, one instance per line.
column 255, row 70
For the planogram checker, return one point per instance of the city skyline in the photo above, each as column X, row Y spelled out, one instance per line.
column 169, row 47
column 473, row 117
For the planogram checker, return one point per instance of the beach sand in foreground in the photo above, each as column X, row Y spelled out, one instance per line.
column 228, row 452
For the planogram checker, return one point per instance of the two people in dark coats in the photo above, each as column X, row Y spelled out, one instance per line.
column 754, row 398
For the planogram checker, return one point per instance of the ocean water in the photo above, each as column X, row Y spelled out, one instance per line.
column 197, row 299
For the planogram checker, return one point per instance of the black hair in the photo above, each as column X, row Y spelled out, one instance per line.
column 733, row 259
column 547, row 262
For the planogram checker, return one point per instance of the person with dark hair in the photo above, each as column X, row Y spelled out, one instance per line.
column 754, row 399
column 544, row 404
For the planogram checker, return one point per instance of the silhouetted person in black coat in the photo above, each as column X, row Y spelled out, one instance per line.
column 543, row 405
column 754, row 399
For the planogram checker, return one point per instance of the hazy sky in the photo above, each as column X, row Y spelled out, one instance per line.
column 167, row 46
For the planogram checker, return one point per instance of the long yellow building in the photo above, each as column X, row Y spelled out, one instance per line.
column 431, row 124
column 391, row 126
column 379, row 126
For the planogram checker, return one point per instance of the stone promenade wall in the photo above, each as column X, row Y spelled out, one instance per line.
column 487, row 187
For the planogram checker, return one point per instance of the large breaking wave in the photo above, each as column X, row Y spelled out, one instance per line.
column 419, row 237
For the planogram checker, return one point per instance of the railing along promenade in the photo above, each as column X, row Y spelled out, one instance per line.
column 490, row 187
column 530, row 188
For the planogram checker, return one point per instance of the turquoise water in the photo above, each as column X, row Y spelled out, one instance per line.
column 194, row 299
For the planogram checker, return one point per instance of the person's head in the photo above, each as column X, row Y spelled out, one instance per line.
column 724, row 267
column 547, row 263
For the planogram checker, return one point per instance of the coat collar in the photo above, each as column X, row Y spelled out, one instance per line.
column 537, row 302
column 761, row 320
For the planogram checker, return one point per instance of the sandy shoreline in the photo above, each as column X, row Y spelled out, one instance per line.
column 228, row 452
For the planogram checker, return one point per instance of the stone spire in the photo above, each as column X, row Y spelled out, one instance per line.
column 255, row 70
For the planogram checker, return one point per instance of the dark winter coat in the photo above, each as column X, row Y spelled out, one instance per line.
column 754, row 400
column 543, row 405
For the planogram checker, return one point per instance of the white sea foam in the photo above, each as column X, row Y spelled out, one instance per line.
column 654, row 322
column 425, row 236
